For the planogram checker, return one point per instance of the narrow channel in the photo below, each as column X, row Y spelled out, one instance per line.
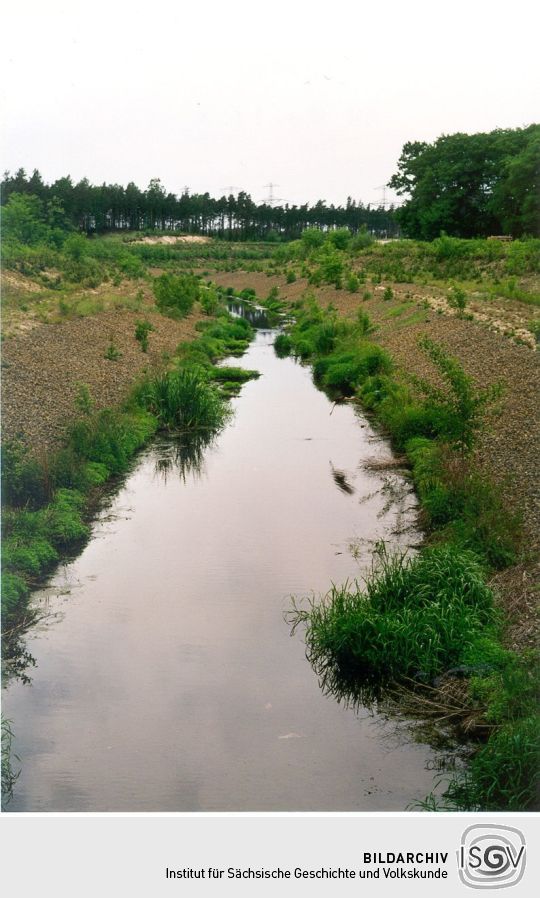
column 166, row 678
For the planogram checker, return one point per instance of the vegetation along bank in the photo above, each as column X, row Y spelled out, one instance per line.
column 107, row 339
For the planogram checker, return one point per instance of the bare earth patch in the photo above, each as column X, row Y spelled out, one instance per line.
column 186, row 238
column 43, row 368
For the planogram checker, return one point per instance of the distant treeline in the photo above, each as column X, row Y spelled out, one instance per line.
column 112, row 207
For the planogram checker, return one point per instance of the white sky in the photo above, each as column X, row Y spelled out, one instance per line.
column 317, row 97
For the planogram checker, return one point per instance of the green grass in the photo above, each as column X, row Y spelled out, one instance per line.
column 183, row 399
column 414, row 617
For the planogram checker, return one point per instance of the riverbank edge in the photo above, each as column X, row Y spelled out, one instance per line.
column 68, row 485
column 505, row 722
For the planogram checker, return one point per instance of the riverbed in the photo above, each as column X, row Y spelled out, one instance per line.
column 165, row 676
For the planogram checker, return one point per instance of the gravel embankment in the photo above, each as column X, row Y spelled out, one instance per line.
column 43, row 368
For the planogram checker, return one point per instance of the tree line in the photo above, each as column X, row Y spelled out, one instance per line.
column 471, row 185
column 111, row 207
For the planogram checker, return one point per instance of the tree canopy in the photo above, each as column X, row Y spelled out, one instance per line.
column 109, row 207
column 471, row 185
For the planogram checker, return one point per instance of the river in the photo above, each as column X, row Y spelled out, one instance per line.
column 166, row 678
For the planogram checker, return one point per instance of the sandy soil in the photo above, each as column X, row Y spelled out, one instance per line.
column 185, row 238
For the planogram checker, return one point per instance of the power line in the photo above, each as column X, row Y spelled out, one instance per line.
column 270, row 200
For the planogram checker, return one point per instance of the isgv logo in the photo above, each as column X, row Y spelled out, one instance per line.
column 491, row 856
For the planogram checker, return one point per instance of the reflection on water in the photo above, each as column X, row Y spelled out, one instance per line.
column 169, row 680
column 181, row 455
column 256, row 315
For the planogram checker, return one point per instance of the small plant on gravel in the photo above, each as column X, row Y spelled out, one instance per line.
column 534, row 327
column 291, row 276
column 460, row 407
column 366, row 295
column 112, row 353
column 142, row 330
column 83, row 399
column 352, row 283
column 388, row 294
column 457, row 299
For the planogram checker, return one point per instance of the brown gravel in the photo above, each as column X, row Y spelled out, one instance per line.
column 41, row 369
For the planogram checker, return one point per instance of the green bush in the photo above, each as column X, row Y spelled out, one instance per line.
column 345, row 371
column 111, row 437
column 23, row 478
column 14, row 595
column 282, row 345
column 176, row 294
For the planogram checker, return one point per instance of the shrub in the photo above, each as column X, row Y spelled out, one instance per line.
column 345, row 371
column 210, row 301
column 176, row 294
column 457, row 299
column 23, row 480
column 282, row 345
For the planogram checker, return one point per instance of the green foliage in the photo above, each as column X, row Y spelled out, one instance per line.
column 352, row 283
column 183, row 399
column 503, row 775
column 291, row 276
column 112, row 353
column 110, row 437
column 361, row 240
column 15, row 592
column 471, row 184
column 176, row 294
column 312, row 238
column 23, row 481
column 22, row 220
column 344, row 372
column 76, row 247
column 461, row 407
column 415, row 616
column 83, row 400
column 462, row 504
column 142, row 331
column 211, row 301
column 340, row 238
column 282, row 345
column 457, row 299
column 388, row 294
column 226, row 373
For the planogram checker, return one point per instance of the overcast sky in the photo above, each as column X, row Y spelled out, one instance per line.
column 318, row 98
